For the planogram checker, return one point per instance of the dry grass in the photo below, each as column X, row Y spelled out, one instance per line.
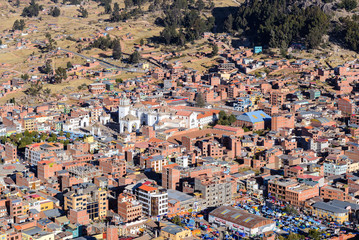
column 15, row 95
column 126, row 75
column 226, row 3
column 66, row 87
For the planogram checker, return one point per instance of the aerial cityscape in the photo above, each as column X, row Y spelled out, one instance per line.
column 179, row 119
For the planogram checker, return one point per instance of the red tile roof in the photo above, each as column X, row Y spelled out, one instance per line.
column 147, row 188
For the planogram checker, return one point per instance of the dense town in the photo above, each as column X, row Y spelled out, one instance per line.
column 178, row 154
column 259, row 144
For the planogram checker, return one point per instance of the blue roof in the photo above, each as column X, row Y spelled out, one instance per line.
column 254, row 117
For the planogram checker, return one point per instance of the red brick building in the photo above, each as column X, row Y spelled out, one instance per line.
column 128, row 207
column 170, row 176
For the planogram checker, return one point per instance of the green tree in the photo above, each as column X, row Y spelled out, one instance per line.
column 200, row 101
column 19, row 25
column 348, row 4
column 228, row 23
column 60, row 74
column 270, row 22
column 176, row 220
column 51, row 43
column 214, row 50
column 47, row 68
column 135, row 57
column 12, row 100
column 232, row 119
column 115, row 16
column 32, row 10
column 34, row 89
column 84, row 13
column 200, row 5
column 25, row 76
column 69, row 65
column 116, row 51
column 55, row 12
column 315, row 234
column 68, row 135
column 128, row 4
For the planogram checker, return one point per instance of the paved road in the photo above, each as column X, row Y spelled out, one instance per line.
column 104, row 62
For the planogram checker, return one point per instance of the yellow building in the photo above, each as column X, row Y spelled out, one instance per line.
column 89, row 139
column 2, row 236
column 29, row 124
column 88, row 198
column 353, row 166
column 174, row 232
column 46, row 205
column 330, row 212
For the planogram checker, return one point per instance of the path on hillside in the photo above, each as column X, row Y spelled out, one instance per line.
column 104, row 62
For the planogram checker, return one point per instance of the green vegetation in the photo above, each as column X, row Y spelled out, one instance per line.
column 34, row 89
column 348, row 30
column 82, row 87
column 135, row 57
column 22, row 139
column 32, row 10
column 290, row 210
column 51, row 43
column 312, row 234
column 177, row 220
column 84, row 13
column 214, row 50
column 117, row 52
column 200, row 101
column 60, row 74
column 225, row 119
column 348, row 4
column 270, row 22
column 102, row 43
column 115, row 16
column 186, row 17
column 47, row 69
column 19, row 25
column 55, row 12
column 69, row 65
column 25, row 76
column 292, row 236
column 71, row 2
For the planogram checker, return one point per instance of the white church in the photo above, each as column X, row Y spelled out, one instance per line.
column 132, row 117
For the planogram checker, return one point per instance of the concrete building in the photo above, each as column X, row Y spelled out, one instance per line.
column 174, row 232
column 335, row 168
column 216, row 190
column 37, row 151
column 239, row 220
column 154, row 200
